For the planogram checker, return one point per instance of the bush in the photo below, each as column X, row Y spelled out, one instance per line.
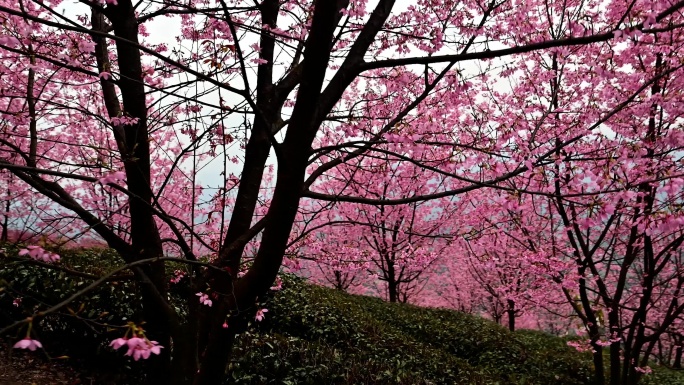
column 83, row 330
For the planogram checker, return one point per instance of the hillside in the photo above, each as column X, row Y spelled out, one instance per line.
column 316, row 335
column 310, row 335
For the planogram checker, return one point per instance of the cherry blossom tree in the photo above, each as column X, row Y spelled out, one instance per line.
column 90, row 101
column 611, row 203
column 337, row 260
column 396, row 244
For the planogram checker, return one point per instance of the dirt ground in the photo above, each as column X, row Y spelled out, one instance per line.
column 33, row 368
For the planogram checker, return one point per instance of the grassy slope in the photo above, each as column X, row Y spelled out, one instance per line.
column 315, row 335
column 319, row 336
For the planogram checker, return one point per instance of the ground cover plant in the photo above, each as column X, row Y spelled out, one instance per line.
column 309, row 335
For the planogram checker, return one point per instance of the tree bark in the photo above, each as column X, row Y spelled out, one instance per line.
column 678, row 357
column 135, row 152
column 511, row 315
column 392, row 291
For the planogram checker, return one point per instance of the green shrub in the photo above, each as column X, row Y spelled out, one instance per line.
column 81, row 331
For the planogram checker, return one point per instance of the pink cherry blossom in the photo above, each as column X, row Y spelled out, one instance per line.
column 28, row 343
column 260, row 314
column 9, row 41
column 278, row 285
column 114, row 177
column 119, row 342
column 204, row 299
column 581, row 346
column 144, row 349
column 643, row 369
column 137, row 347
column 86, row 46
column 123, row 120
column 177, row 276
column 39, row 254
column 418, row 178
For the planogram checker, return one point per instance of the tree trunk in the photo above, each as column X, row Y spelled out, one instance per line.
column 292, row 164
column 157, row 329
column 678, row 358
column 214, row 361
column 4, row 237
column 392, row 291
column 5, row 231
column 615, row 366
column 135, row 153
column 339, row 282
column 511, row 315
column 600, row 376
column 184, row 355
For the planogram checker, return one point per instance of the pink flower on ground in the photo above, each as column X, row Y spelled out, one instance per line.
column 17, row 302
column 225, row 325
column 29, row 344
column 261, row 314
column 204, row 299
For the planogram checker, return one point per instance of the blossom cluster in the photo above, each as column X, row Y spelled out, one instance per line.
column 39, row 254
column 581, row 346
column 204, row 299
column 643, row 370
column 124, row 120
column 177, row 276
column 112, row 178
column 137, row 347
column 277, row 285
